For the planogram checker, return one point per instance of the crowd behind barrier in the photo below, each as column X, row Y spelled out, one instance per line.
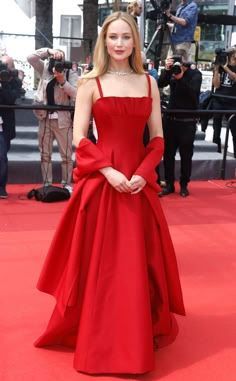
column 195, row 113
column 199, row 114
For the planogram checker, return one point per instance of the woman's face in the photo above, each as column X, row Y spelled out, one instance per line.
column 119, row 40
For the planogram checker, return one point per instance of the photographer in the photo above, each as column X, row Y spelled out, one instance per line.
column 57, row 86
column 179, row 130
column 184, row 24
column 10, row 87
column 224, row 82
column 135, row 9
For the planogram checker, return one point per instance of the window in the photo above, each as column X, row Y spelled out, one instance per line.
column 70, row 27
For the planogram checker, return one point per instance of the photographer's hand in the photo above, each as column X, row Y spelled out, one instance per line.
column 169, row 63
column 226, row 64
column 167, row 13
column 216, row 77
column 230, row 73
column 216, row 68
column 56, row 54
column 175, row 19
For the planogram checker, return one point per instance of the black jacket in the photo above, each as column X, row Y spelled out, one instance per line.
column 184, row 93
column 9, row 92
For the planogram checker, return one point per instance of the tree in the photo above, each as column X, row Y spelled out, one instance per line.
column 43, row 26
column 90, row 16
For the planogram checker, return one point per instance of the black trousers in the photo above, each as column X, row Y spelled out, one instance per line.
column 223, row 104
column 178, row 135
column 217, row 124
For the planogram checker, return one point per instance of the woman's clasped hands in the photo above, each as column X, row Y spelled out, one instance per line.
column 120, row 182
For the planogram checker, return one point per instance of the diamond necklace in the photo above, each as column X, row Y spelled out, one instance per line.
column 120, row 72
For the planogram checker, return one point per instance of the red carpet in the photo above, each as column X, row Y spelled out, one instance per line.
column 203, row 228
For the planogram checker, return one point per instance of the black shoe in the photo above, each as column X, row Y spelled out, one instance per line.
column 184, row 192
column 3, row 193
column 167, row 190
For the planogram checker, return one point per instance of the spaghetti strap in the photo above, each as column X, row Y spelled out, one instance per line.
column 99, row 87
column 149, row 85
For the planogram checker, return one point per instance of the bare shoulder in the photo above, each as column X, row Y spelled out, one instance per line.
column 86, row 89
column 154, row 87
column 87, row 84
column 153, row 82
column 144, row 79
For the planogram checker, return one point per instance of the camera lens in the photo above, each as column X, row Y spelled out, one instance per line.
column 176, row 68
column 4, row 75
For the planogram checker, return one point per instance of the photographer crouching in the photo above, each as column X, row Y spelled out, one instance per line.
column 179, row 130
column 57, row 86
column 10, row 87
column 224, row 82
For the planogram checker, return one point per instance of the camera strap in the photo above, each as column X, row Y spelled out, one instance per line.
column 50, row 92
column 67, row 74
column 67, row 78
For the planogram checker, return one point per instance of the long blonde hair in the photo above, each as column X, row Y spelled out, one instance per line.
column 101, row 56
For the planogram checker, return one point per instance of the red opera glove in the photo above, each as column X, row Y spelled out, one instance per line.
column 154, row 153
column 89, row 158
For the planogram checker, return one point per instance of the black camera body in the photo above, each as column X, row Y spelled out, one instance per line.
column 6, row 74
column 176, row 67
column 159, row 9
column 221, row 56
column 165, row 5
column 59, row 65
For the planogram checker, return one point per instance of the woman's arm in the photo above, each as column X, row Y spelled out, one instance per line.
column 231, row 74
column 216, row 77
column 154, row 150
column 155, row 121
column 83, row 110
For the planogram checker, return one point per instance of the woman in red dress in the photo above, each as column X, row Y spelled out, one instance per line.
column 111, row 265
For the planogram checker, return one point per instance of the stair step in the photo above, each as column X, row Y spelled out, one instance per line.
column 204, row 146
column 22, row 145
column 28, row 132
column 28, row 145
column 24, row 156
column 200, row 135
column 27, row 157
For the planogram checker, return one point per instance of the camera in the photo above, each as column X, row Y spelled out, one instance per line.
column 6, row 74
column 59, row 65
column 159, row 9
column 221, row 56
column 176, row 67
column 165, row 5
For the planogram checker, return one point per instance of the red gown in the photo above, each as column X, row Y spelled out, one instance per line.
column 111, row 265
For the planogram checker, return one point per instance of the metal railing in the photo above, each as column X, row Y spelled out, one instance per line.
column 194, row 113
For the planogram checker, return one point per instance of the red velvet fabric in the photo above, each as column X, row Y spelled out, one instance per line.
column 153, row 155
column 111, row 265
column 89, row 158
